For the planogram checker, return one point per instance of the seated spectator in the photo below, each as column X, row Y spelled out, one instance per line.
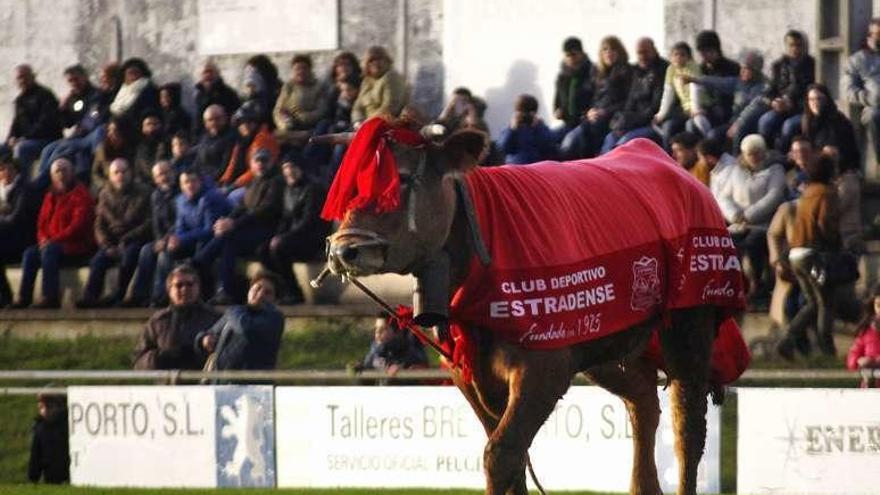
column 747, row 93
column 137, row 96
column 383, row 90
column 643, row 100
column 246, row 337
column 65, row 227
column 19, row 203
column 322, row 160
column 825, row 125
column 119, row 143
column 681, row 101
column 345, row 67
column 848, row 181
column 862, row 81
column 715, row 64
column 748, row 204
column 800, row 154
column 251, row 223
column 122, row 227
column 301, row 232
column 612, row 77
column 815, row 234
column 527, row 139
column 790, row 76
column 393, row 348
column 151, row 147
column 50, row 453
column 574, row 85
column 865, row 351
column 174, row 118
column 166, row 342
column 212, row 90
column 83, row 112
column 197, row 207
column 684, row 152
column 183, row 156
column 261, row 86
column 164, row 214
column 301, row 104
column 723, row 167
column 251, row 136
column 36, row 121
column 214, row 149
column 460, row 105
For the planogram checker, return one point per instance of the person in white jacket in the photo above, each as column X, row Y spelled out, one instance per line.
column 748, row 202
column 723, row 168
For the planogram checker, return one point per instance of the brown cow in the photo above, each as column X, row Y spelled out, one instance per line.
column 513, row 389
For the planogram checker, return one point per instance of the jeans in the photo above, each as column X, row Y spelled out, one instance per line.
column 26, row 151
column 871, row 120
column 670, row 127
column 79, row 150
column 142, row 285
column 101, row 261
column 817, row 310
column 753, row 243
column 584, row 141
column 49, row 259
column 769, row 126
column 612, row 140
column 240, row 242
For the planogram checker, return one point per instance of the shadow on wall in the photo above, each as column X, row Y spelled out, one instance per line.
column 522, row 77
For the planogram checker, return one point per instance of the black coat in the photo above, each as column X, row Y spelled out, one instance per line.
column 834, row 130
column 790, row 77
column 262, row 202
column 146, row 102
column 643, row 100
column 301, row 216
column 50, row 458
column 219, row 94
column 723, row 67
column 213, row 153
column 18, row 217
column 574, row 92
column 248, row 338
column 36, row 115
column 612, row 88
column 164, row 212
column 85, row 112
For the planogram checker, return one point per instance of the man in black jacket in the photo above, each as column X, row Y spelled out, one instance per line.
column 36, row 122
column 250, row 224
column 19, row 204
column 216, row 144
column 574, row 87
column 212, row 90
column 50, row 457
column 791, row 74
column 301, row 232
column 716, row 64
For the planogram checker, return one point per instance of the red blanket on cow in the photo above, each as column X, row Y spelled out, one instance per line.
column 584, row 249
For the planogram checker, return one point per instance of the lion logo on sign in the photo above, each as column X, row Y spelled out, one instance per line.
column 646, row 284
column 244, row 422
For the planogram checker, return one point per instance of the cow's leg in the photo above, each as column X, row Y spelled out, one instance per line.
column 687, row 346
column 535, row 384
column 636, row 383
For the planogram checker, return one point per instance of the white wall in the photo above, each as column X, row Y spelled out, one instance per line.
column 502, row 48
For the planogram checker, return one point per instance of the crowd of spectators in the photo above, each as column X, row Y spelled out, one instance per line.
column 118, row 172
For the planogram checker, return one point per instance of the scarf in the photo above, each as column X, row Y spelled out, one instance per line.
column 127, row 96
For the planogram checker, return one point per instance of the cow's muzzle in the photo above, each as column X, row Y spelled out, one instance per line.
column 356, row 252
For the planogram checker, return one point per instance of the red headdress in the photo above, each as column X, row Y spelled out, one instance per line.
column 367, row 177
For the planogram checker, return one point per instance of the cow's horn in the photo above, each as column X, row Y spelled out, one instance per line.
column 334, row 139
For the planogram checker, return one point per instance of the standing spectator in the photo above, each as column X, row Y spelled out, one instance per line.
column 214, row 149
column 19, row 203
column 167, row 340
column 715, row 64
column 164, row 214
column 383, row 90
column 64, row 233
column 50, row 457
column 174, row 118
column 83, row 113
column 301, row 232
column 247, row 337
column 862, row 80
column 681, row 100
column 865, row 351
column 251, row 223
column 393, row 348
column 122, row 226
column 684, row 152
column 197, row 207
column 36, row 122
column 152, row 147
column 119, row 143
column 611, row 78
column 574, row 86
column 212, row 90
column 643, row 100
column 138, row 95
column 790, row 76
column 825, row 125
column 723, row 167
column 816, row 233
column 527, row 139
column 252, row 136
column 301, row 104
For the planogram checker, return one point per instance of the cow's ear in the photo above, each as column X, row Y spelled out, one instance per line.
column 464, row 149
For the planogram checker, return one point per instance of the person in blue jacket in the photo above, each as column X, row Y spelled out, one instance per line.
column 527, row 139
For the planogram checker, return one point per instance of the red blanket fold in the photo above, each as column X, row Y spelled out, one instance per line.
column 584, row 249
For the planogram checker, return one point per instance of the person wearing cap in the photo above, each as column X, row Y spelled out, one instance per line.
column 50, row 457
column 250, row 224
column 383, row 90
column 252, row 136
column 137, row 95
column 19, row 203
column 36, row 120
column 786, row 94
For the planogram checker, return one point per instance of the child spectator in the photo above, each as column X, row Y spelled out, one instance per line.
column 50, row 458
column 865, row 351
column 528, row 139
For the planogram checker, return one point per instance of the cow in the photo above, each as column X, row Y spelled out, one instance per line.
column 407, row 206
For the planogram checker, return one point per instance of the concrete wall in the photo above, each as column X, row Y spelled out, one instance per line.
column 52, row 34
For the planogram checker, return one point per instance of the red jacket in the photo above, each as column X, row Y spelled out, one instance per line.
column 68, row 219
column 239, row 174
column 867, row 343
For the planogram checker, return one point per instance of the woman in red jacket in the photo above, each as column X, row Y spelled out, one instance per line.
column 865, row 351
column 64, row 232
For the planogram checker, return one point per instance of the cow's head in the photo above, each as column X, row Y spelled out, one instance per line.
column 404, row 239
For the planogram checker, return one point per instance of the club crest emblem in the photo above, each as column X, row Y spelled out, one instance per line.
column 646, row 284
